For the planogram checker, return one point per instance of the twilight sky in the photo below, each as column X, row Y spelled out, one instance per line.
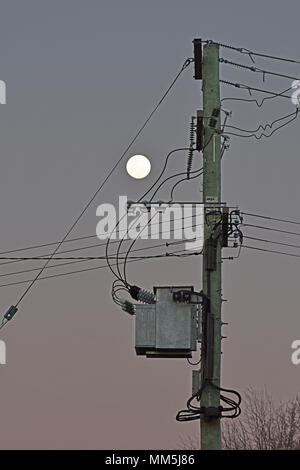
column 81, row 78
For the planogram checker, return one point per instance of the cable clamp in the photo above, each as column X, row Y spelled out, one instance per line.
column 211, row 412
column 10, row 312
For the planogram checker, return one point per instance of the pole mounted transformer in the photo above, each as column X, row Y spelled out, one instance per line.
column 171, row 326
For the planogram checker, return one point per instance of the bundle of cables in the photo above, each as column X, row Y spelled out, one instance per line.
column 121, row 283
column 193, row 411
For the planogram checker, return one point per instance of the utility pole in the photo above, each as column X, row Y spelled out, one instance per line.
column 210, row 427
column 170, row 325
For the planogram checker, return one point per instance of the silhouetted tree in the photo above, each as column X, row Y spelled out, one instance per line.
column 263, row 424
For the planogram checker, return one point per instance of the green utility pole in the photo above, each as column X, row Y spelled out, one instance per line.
column 211, row 347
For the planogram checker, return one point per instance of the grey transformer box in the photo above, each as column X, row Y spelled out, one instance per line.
column 170, row 327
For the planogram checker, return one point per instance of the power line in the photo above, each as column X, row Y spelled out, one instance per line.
column 261, row 126
column 185, row 65
column 85, row 270
column 173, row 176
column 258, row 104
column 249, row 88
column 33, row 247
column 250, row 53
column 256, row 69
column 97, row 245
column 82, row 258
column 90, row 258
column 118, row 274
column 161, row 245
column 258, row 137
column 272, row 229
column 43, row 245
column 272, row 241
column 130, row 247
column 38, row 258
column 5, row 320
column 18, row 260
column 271, row 218
column 271, row 251
column 163, row 170
column 184, row 179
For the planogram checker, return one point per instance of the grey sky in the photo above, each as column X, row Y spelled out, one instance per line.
column 81, row 78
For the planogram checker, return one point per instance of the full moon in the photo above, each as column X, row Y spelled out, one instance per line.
column 138, row 166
